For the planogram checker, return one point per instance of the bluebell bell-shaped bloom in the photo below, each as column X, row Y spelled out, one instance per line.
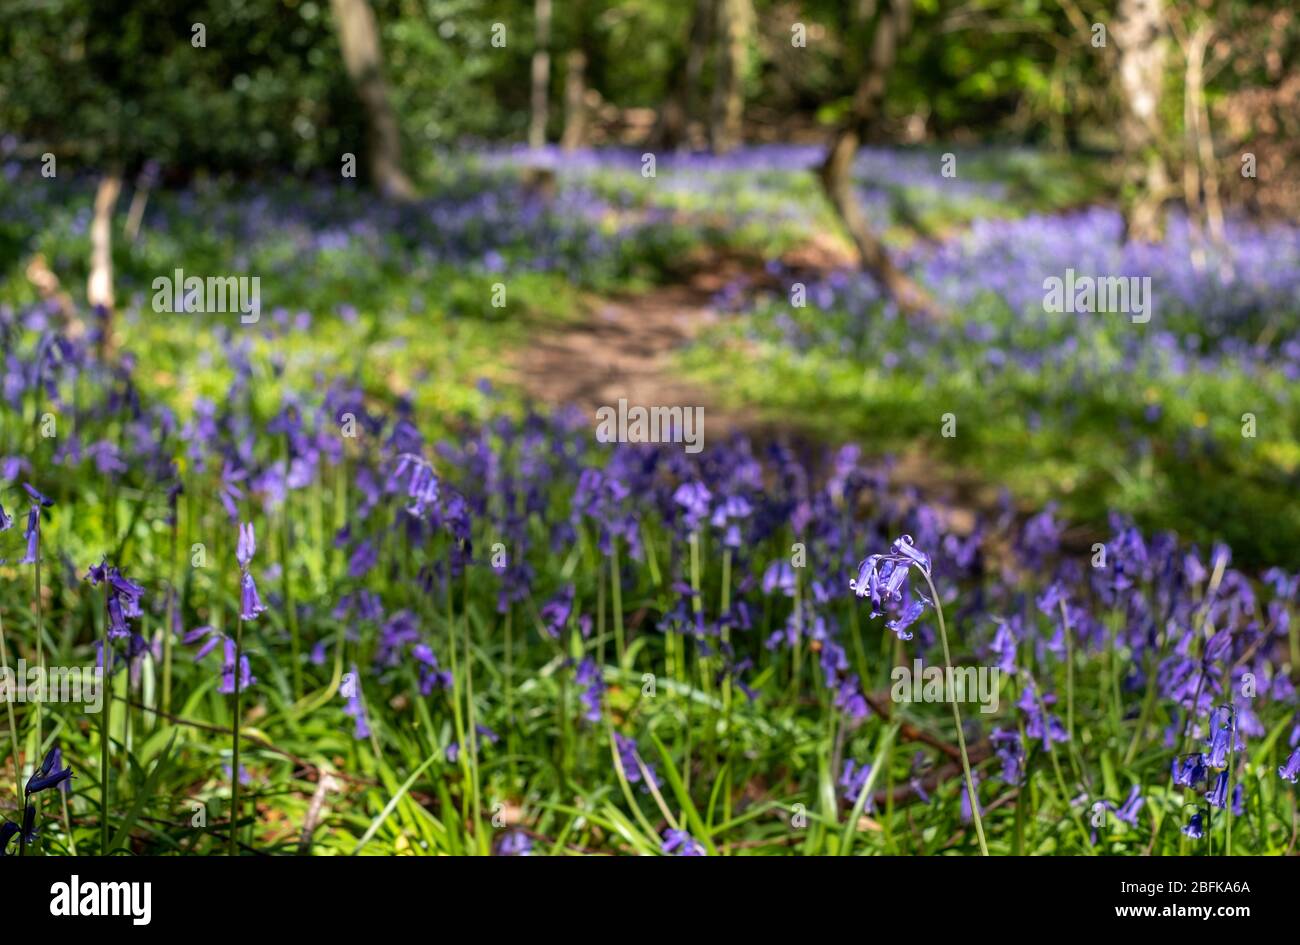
column 882, row 578
column 514, row 843
column 1010, row 751
column 246, row 545
column 853, row 779
column 1218, row 794
column 592, row 683
column 250, row 604
column 681, row 843
column 1191, row 770
column 694, row 498
column 210, row 636
column 555, row 612
column 1128, row 811
column 355, row 708
column 1290, row 770
column 49, row 774
column 246, row 677
column 1223, row 726
column 1196, row 826
column 632, row 764
column 38, row 498
column 779, row 576
column 33, row 535
column 363, row 560
column 432, row 675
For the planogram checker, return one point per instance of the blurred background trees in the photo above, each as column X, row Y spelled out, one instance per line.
column 257, row 86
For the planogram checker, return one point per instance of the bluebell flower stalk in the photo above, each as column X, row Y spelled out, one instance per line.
column 883, row 579
column 250, row 606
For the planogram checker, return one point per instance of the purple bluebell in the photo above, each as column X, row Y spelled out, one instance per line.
column 355, row 708
column 681, row 843
column 883, row 579
column 1128, row 811
column 246, row 545
column 250, row 604
column 37, row 497
column 693, row 497
column 1010, row 752
column 514, row 843
column 1223, row 726
column 779, row 576
column 592, row 683
column 1190, row 770
column 632, row 764
column 556, row 612
column 432, row 675
column 246, row 678
column 1290, row 769
column 210, row 636
column 33, row 535
column 1218, row 794
column 853, row 779
column 49, row 774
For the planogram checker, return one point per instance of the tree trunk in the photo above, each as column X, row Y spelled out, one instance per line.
column 359, row 41
column 836, row 173
column 679, row 106
column 728, row 91
column 575, row 106
column 1140, row 35
column 99, row 287
column 541, row 74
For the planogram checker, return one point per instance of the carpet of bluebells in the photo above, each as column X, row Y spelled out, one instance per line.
column 354, row 596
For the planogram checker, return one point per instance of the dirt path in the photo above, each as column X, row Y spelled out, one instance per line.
column 626, row 346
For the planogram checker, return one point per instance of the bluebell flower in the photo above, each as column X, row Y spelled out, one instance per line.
column 1218, row 795
column 49, row 774
column 632, row 763
column 38, row 497
column 8, row 830
column 1190, row 771
column 250, row 604
column 1196, row 826
column 779, row 576
column 883, row 578
column 1128, row 811
column 1010, row 752
column 246, row 546
column 124, row 597
column 694, row 498
column 432, row 675
column 211, row 637
column 33, row 535
column 355, row 708
column 514, row 843
column 592, row 681
column 681, row 843
column 1223, row 726
column 852, row 780
column 363, row 560
column 246, row 678
column 556, row 612
column 1290, row 771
